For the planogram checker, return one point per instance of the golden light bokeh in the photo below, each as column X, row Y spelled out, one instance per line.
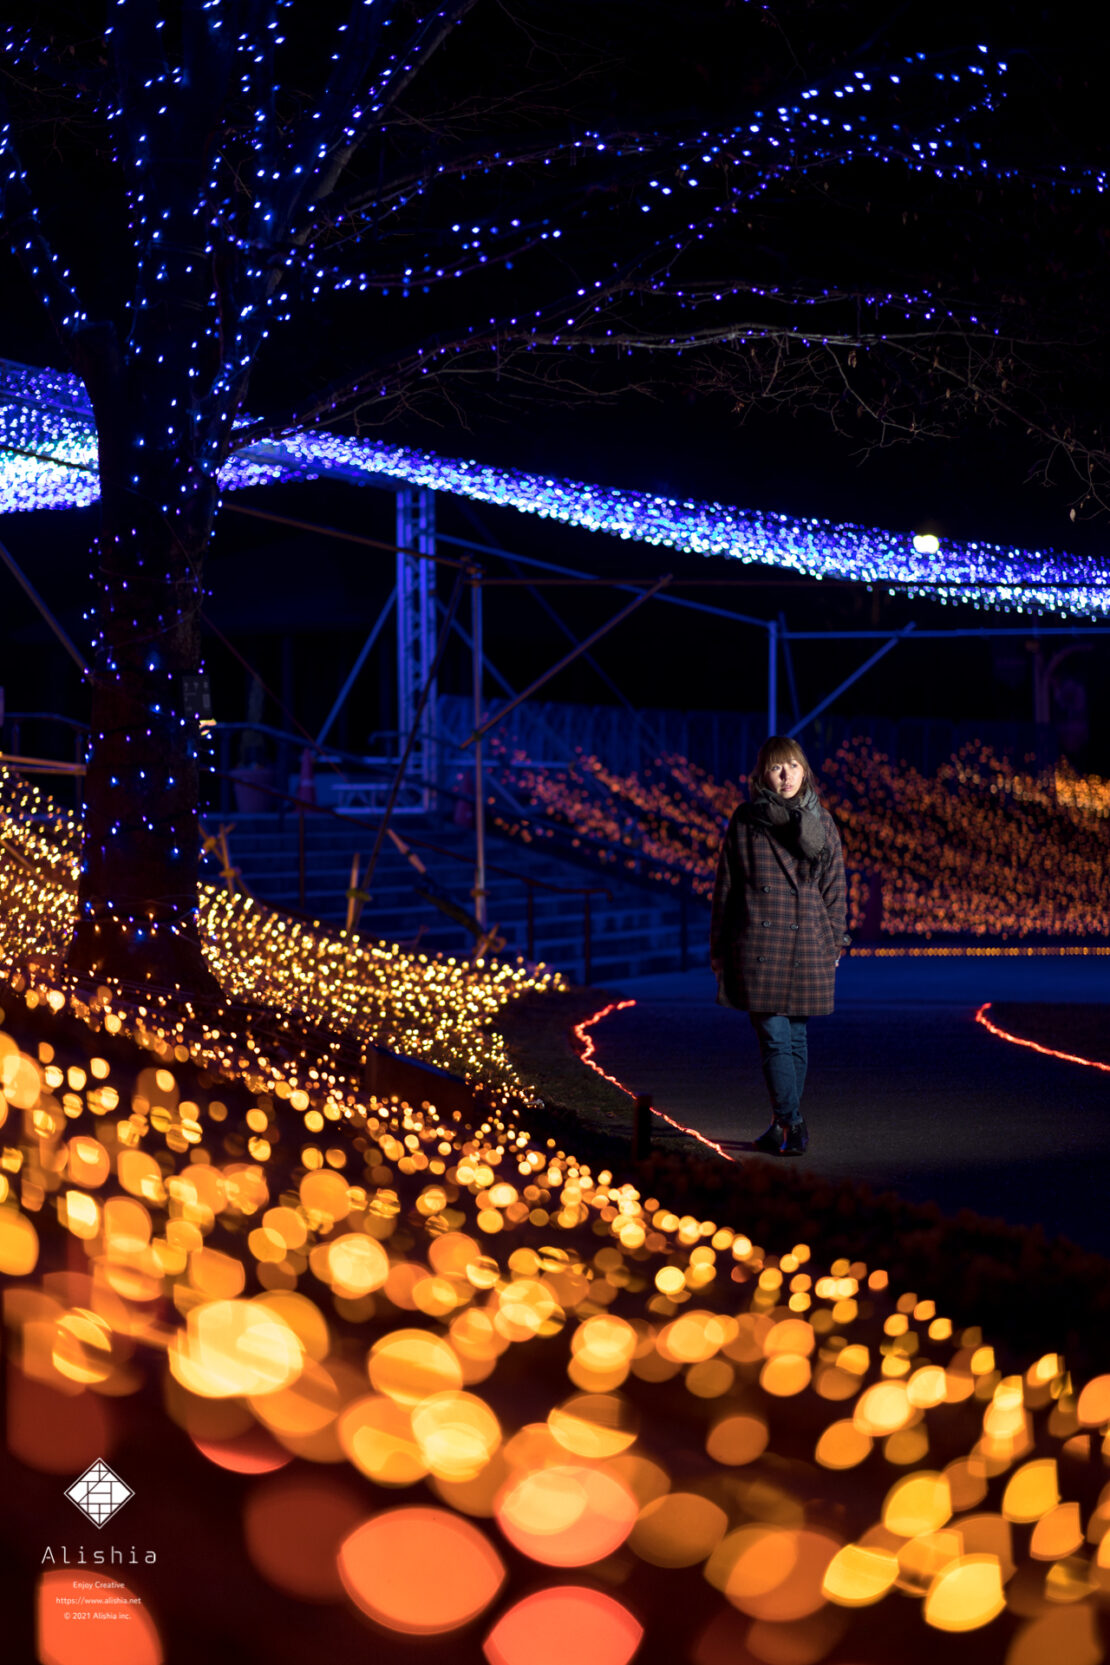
column 1032, row 1491
column 19, row 1244
column 566, row 1515
column 594, row 1424
column 967, row 1594
column 884, row 1409
column 1093, row 1405
column 843, row 1445
column 457, row 1434
column 858, row 1576
column 231, row 1348
column 377, row 1437
column 936, row 874
column 408, row 1365
column 919, row 1503
column 1057, row 1534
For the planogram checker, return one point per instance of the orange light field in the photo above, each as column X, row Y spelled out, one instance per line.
column 983, row 847
column 466, row 1390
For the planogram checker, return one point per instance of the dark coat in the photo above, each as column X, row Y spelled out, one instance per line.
column 777, row 927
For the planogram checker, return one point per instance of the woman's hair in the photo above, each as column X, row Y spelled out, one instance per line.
column 781, row 749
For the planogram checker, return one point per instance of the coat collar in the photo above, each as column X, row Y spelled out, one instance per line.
column 778, row 852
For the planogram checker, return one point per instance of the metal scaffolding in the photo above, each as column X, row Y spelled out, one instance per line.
column 416, row 631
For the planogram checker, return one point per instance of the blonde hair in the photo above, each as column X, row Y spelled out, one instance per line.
column 780, row 748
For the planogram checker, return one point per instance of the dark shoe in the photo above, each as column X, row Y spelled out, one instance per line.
column 796, row 1140
column 773, row 1142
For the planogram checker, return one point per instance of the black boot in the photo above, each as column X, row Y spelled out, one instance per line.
column 796, row 1140
column 773, row 1142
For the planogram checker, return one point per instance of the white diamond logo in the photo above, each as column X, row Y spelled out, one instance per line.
column 99, row 1493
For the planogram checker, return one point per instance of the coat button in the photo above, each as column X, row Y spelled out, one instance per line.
column 793, row 927
column 766, row 924
column 761, row 959
column 766, row 887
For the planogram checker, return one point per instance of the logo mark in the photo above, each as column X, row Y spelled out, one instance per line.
column 99, row 1493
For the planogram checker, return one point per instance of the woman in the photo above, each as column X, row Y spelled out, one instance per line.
column 778, row 925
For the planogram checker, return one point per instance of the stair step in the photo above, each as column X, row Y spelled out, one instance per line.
column 633, row 931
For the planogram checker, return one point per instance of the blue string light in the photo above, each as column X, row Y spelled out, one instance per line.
column 48, row 460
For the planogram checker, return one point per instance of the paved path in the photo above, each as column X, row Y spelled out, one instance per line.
column 905, row 1090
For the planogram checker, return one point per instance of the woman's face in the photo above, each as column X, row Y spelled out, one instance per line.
column 785, row 778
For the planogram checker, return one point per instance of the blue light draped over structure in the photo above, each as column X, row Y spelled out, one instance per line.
column 48, row 460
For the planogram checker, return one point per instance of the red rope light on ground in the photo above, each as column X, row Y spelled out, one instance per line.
column 589, row 1048
column 1035, row 1046
column 589, row 1045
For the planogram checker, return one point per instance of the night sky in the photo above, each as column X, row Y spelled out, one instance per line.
column 297, row 607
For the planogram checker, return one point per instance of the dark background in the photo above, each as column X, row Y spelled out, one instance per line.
column 297, row 607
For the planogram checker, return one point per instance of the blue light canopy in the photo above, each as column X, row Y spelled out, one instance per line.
column 48, row 461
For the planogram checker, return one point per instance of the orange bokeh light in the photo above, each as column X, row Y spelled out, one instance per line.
column 773, row 1573
column 19, row 1244
column 89, row 1162
column 883, row 1409
column 420, row 1570
column 594, row 1424
column 408, row 1365
column 1093, row 1407
column 842, row 1445
column 252, row 1452
column 53, row 1431
column 566, row 1515
column 118, row 1630
column 785, row 1374
column 678, row 1530
column 857, row 1575
column 456, row 1433
column 542, row 1628
column 1057, row 1534
column 966, row 1594
column 376, row 1435
column 324, row 1196
column 235, row 1347
column 920, row 1503
column 737, row 1439
column 293, row 1528
column 356, row 1264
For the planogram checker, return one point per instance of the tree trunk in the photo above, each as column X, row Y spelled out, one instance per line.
column 137, row 891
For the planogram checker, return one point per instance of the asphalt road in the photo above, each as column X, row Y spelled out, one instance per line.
column 905, row 1089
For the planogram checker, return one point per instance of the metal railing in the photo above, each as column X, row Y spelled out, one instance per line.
column 11, row 730
column 302, row 807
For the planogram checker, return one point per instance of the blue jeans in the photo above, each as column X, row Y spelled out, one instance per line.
column 783, row 1054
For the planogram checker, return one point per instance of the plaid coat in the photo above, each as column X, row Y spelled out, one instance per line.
column 776, row 932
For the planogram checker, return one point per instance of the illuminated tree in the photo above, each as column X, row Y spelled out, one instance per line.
column 244, row 216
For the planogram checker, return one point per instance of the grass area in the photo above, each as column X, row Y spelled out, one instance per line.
column 539, row 1041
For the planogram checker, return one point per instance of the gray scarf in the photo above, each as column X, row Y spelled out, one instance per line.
column 795, row 822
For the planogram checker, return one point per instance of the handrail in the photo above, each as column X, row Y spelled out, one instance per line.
column 557, row 829
column 304, row 807
column 40, row 765
column 45, row 717
column 329, row 753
